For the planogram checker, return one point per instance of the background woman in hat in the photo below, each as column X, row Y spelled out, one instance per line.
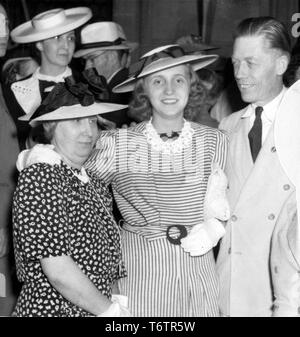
column 53, row 34
column 67, row 245
column 159, row 172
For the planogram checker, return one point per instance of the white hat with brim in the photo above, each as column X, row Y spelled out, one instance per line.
column 51, row 23
column 287, row 143
column 196, row 61
column 101, row 36
column 73, row 112
column 15, row 60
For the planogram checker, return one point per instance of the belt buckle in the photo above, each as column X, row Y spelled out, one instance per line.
column 182, row 234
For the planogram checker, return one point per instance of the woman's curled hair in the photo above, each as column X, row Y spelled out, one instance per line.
column 140, row 108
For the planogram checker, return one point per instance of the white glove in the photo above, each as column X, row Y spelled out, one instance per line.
column 118, row 308
column 215, row 203
column 40, row 153
column 203, row 237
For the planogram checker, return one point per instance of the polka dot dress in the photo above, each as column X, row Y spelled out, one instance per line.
column 56, row 214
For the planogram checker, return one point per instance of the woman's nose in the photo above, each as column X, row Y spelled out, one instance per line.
column 87, row 127
column 169, row 87
column 64, row 43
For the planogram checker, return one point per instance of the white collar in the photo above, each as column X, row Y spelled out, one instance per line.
column 59, row 78
column 169, row 147
column 270, row 108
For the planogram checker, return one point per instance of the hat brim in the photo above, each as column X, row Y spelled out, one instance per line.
column 286, row 133
column 16, row 60
column 75, row 17
column 196, row 61
column 73, row 112
column 131, row 46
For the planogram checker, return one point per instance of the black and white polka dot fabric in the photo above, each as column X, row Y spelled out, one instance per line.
column 55, row 214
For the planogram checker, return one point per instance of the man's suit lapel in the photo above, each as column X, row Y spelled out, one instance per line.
column 260, row 172
column 239, row 148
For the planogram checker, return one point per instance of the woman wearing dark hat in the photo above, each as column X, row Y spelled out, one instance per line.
column 53, row 34
column 67, row 245
column 159, row 171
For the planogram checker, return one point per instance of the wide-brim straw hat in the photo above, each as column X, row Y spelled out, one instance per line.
column 162, row 58
column 51, row 23
column 15, row 60
column 75, row 112
column 106, row 35
column 71, row 100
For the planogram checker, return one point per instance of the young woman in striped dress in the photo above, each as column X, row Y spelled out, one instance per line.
column 159, row 173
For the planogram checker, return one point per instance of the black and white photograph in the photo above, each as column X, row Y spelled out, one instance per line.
column 149, row 161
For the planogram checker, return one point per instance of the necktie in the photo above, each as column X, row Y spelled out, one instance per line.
column 255, row 134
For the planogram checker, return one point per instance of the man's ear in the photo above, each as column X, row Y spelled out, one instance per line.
column 282, row 63
column 39, row 46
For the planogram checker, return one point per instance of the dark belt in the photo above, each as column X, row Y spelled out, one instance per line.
column 182, row 234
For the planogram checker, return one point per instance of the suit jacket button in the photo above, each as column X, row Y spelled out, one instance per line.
column 229, row 250
column 234, row 218
column 273, row 149
column 271, row 216
column 276, row 270
column 286, row 187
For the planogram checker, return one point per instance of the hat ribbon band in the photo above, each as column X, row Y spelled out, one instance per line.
column 173, row 52
column 101, row 44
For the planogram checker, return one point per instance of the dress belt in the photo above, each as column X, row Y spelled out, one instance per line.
column 173, row 233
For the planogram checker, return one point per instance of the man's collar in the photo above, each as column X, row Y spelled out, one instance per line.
column 269, row 108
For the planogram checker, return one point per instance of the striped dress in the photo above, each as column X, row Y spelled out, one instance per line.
column 153, row 191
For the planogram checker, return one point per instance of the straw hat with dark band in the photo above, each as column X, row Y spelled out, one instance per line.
column 70, row 100
column 106, row 35
column 163, row 58
column 51, row 23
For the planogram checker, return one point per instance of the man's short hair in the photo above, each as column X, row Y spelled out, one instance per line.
column 273, row 30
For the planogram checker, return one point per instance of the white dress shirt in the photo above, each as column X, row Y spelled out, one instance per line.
column 268, row 115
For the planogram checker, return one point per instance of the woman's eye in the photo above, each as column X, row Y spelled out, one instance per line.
column 180, row 80
column 156, row 82
column 71, row 38
column 93, row 120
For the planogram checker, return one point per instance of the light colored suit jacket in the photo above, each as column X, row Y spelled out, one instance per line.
column 261, row 198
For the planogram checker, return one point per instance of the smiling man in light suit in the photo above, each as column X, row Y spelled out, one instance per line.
column 261, row 195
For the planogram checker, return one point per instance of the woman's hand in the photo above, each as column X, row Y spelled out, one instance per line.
column 69, row 280
column 118, row 308
column 203, row 237
column 40, row 153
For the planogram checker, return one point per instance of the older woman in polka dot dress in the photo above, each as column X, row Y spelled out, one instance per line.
column 67, row 245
